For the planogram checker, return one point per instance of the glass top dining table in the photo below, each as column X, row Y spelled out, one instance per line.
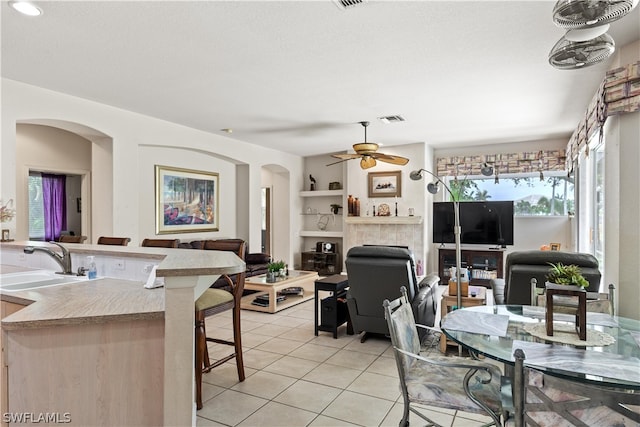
column 497, row 331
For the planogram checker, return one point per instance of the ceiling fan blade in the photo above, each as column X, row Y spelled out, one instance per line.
column 367, row 162
column 388, row 158
column 346, row 156
column 343, row 160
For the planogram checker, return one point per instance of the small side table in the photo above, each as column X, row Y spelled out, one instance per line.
column 334, row 312
column 450, row 301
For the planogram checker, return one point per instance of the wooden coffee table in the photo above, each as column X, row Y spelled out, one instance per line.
column 303, row 279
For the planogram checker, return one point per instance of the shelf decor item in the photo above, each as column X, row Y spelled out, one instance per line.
column 186, row 200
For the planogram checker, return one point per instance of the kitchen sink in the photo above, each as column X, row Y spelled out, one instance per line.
column 27, row 280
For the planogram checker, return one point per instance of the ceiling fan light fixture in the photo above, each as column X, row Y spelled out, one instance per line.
column 570, row 14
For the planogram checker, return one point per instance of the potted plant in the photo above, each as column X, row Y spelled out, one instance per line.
column 274, row 269
column 568, row 275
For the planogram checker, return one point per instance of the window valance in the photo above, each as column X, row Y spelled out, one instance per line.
column 531, row 161
column 619, row 93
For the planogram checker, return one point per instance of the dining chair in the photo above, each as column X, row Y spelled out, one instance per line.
column 554, row 401
column 65, row 238
column 427, row 379
column 116, row 241
column 214, row 301
column 161, row 243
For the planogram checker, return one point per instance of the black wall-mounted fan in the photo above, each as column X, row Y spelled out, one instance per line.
column 368, row 153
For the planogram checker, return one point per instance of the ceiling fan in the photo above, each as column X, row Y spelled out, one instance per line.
column 367, row 152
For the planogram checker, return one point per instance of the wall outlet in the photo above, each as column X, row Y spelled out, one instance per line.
column 119, row 264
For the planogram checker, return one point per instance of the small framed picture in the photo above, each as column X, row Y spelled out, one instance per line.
column 554, row 246
column 385, row 184
column 5, row 235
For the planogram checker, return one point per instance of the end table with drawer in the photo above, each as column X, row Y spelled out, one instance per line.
column 449, row 302
column 334, row 310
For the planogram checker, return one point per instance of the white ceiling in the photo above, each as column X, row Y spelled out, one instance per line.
column 297, row 76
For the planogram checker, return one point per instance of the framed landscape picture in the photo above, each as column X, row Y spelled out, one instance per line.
column 385, row 184
column 186, row 200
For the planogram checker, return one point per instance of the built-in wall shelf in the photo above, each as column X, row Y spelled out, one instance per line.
column 322, row 193
column 399, row 220
column 318, row 233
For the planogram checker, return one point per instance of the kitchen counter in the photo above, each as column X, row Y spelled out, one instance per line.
column 133, row 347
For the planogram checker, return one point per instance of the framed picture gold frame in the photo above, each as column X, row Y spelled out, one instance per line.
column 186, row 200
column 385, row 184
column 554, row 246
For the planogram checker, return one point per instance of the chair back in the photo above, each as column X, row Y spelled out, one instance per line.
column 402, row 329
column 522, row 266
column 115, row 241
column 375, row 274
column 65, row 238
column 237, row 246
column 161, row 243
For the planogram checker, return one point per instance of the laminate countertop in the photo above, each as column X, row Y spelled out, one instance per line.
column 109, row 299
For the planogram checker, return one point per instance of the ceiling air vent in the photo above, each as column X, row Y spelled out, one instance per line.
column 348, row 4
column 391, row 119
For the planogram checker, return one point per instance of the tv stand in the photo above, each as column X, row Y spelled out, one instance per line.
column 485, row 264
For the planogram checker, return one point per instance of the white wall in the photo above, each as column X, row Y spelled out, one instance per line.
column 122, row 156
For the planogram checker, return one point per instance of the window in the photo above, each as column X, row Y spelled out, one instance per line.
column 550, row 196
column 36, row 207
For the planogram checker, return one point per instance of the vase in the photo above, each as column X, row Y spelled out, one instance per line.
column 271, row 276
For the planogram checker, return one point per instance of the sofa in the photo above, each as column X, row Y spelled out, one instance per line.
column 377, row 273
column 256, row 262
column 522, row 266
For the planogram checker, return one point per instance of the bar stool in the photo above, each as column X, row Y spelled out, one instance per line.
column 116, row 241
column 161, row 243
column 214, row 301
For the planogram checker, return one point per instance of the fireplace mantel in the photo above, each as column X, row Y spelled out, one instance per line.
column 398, row 220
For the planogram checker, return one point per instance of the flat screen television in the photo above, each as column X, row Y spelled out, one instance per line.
column 482, row 223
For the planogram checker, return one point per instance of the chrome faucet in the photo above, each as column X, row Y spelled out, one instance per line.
column 64, row 259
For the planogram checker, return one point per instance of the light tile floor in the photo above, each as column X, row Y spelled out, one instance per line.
column 294, row 378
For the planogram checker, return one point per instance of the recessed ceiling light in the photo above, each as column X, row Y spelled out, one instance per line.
column 26, row 8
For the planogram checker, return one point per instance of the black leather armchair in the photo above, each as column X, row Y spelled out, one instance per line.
column 522, row 266
column 376, row 273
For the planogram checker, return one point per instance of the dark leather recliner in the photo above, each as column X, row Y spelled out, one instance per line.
column 376, row 273
column 522, row 266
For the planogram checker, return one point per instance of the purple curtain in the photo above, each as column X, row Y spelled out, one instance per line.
column 54, row 198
